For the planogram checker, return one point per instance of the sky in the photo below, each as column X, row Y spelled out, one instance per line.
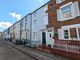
column 13, row 10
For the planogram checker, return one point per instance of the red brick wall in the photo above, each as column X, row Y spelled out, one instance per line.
column 63, row 53
column 67, row 54
column 52, row 10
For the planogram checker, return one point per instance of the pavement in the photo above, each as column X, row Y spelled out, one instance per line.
column 38, row 55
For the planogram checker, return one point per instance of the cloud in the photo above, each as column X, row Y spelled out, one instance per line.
column 5, row 24
column 15, row 15
column 40, row 1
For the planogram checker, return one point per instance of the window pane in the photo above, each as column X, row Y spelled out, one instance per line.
column 34, row 14
column 73, row 33
column 62, row 0
column 66, row 35
column 67, row 14
column 79, row 32
column 66, row 11
column 66, row 8
column 34, row 35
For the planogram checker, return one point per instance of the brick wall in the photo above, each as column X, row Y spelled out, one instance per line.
column 52, row 10
column 53, row 7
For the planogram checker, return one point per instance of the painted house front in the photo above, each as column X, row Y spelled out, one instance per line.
column 15, row 31
column 23, row 30
column 26, row 29
column 40, row 34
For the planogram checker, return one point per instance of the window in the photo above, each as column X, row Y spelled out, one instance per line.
column 50, row 35
column 66, row 12
column 35, row 21
column 46, row 11
column 45, row 19
column 62, row 0
column 34, row 15
column 66, row 34
column 73, row 33
column 59, row 1
column 79, row 32
column 34, row 35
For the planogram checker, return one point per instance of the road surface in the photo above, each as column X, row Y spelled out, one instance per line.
column 9, row 53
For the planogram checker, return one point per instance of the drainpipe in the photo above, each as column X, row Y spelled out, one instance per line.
column 30, row 29
column 20, row 30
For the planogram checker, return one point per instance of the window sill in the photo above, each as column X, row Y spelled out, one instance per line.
column 45, row 14
column 34, row 19
column 71, row 39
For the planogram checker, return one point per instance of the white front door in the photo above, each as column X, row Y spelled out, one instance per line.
column 50, row 40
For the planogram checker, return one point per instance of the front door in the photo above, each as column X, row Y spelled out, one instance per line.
column 43, row 38
column 50, row 40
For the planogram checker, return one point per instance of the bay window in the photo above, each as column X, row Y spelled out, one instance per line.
column 69, row 34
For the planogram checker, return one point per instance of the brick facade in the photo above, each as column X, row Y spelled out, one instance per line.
column 53, row 22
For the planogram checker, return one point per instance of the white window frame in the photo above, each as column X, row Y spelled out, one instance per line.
column 73, row 12
column 68, row 28
column 68, row 34
column 35, row 22
column 45, row 9
column 33, row 15
column 44, row 19
column 78, row 33
column 34, row 35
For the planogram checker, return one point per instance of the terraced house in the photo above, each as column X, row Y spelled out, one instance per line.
column 55, row 25
column 39, row 22
column 20, row 31
column 64, row 16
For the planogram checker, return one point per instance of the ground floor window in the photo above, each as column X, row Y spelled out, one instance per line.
column 34, row 35
column 71, row 33
column 66, row 34
column 79, row 32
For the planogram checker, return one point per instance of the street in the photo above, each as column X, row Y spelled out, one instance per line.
column 9, row 53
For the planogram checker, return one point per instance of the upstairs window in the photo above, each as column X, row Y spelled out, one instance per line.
column 66, row 12
column 34, row 15
column 45, row 19
column 59, row 1
column 35, row 22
